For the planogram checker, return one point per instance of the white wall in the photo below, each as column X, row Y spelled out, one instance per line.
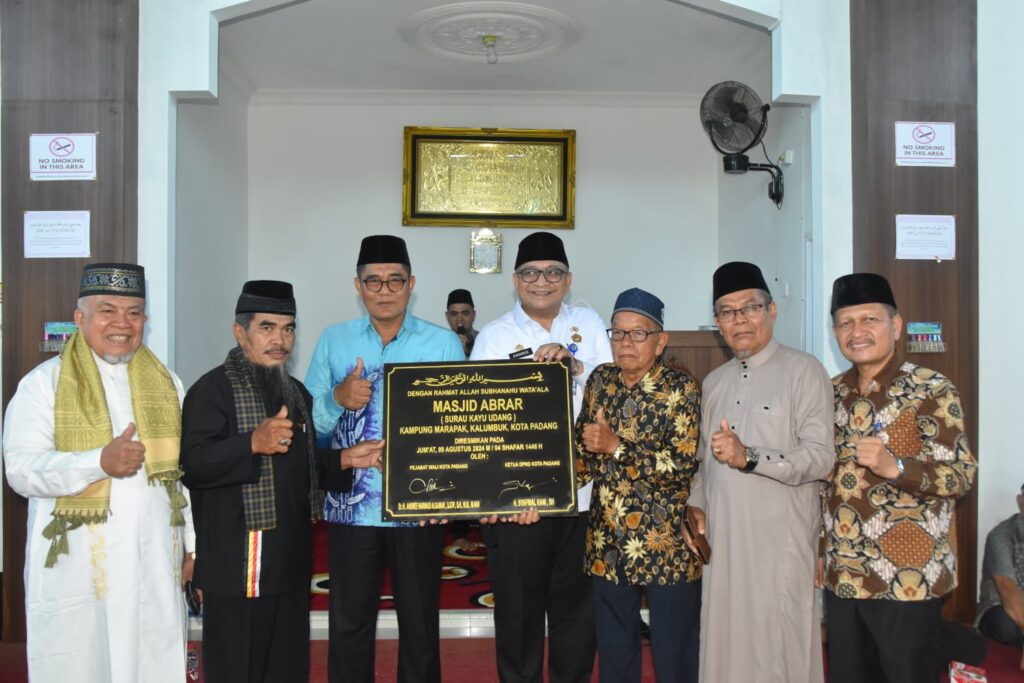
column 326, row 171
column 1000, row 243
column 750, row 228
column 178, row 51
column 212, row 232
column 811, row 65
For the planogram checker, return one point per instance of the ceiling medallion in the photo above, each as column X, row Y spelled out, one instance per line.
column 490, row 31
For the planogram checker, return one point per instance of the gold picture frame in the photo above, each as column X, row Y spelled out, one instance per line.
column 489, row 177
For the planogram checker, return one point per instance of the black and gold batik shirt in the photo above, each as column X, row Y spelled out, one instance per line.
column 633, row 536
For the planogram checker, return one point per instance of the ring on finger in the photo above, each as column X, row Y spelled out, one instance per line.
column 717, row 450
column 285, row 442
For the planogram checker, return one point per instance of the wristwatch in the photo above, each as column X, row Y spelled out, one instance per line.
column 752, row 458
column 901, row 467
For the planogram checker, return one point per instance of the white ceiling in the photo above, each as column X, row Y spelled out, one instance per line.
column 649, row 46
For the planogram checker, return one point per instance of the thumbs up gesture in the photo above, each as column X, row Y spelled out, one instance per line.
column 123, row 457
column 354, row 392
column 727, row 447
column 273, row 435
column 598, row 436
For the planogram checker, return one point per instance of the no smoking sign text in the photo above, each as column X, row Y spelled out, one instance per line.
column 925, row 143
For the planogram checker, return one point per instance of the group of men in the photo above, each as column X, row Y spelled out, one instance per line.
column 795, row 480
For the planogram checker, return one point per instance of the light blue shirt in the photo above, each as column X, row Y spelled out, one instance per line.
column 334, row 358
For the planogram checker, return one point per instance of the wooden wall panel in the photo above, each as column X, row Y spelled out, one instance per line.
column 65, row 67
column 916, row 60
column 697, row 352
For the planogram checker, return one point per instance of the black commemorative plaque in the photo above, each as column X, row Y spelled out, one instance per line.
column 468, row 440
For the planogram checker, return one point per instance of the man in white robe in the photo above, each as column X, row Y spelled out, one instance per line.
column 109, row 605
column 766, row 445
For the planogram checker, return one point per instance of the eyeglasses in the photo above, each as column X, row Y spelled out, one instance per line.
column 727, row 315
column 639, row 336
column 551, row 275
column 375, row 284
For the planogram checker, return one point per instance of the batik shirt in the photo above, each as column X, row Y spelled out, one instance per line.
column 890, row 539
column 334, row 358
column 1004, row 556
column 633, row 533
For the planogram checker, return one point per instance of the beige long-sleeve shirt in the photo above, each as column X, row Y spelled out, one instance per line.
column 759, row 616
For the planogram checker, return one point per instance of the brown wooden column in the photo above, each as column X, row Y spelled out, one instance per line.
column 66, row 67
column 916, row 60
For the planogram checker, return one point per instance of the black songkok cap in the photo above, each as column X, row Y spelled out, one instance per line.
column 460, row 296
column 736, row 276
column 118, row 279
column 266, row 296
column 861, row 288
column 383, row 249
column 541, row 246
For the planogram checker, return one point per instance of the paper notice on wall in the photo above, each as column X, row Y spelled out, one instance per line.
column 56, row 234
column 926, row 237
column 62, row 156
column 925, row 143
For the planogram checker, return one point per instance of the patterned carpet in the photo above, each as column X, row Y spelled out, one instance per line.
column 465, row 582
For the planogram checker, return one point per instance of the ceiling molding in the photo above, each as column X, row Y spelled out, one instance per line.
column 521, row 32
column 469, row 98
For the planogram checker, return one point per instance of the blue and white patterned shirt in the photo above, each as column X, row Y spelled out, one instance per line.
column 334, row 358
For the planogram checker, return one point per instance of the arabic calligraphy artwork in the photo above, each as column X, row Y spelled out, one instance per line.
column 466, row 440
column 489, row 177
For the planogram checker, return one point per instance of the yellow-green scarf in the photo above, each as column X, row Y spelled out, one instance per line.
column 82, row 423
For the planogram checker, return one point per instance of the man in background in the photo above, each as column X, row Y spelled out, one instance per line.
column 461, row 315
column 1001, row 604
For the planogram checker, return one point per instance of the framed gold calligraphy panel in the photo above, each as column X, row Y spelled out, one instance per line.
column 492, row 177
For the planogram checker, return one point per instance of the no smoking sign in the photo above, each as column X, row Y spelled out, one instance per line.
column 62, row 156
column 928, row 143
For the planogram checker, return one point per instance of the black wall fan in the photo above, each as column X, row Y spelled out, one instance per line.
column 734, row 118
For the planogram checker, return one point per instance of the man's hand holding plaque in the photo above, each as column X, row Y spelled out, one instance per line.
column 524, row 518
column 364, row 454
column 489, row 440
column 555, row 353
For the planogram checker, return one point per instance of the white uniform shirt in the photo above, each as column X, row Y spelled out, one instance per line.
column 578, row 328
column 111, row 609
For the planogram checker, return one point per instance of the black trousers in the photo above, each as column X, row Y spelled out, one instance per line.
column 675, row 631
column 537, row 570
column 256, row 640
column 997, row 625
column 357, row 556
column 873, row 641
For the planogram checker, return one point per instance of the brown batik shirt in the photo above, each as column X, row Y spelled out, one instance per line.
column 633, row 533
column 895, row 539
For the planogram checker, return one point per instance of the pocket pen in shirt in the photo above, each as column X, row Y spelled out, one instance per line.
column 880, row 433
